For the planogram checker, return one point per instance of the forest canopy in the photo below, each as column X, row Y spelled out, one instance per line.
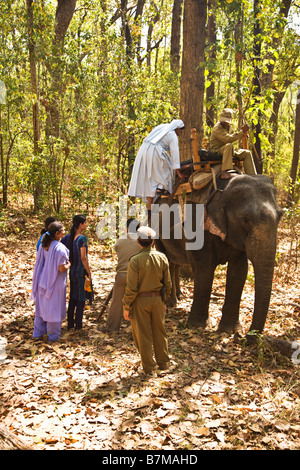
column 82, row 82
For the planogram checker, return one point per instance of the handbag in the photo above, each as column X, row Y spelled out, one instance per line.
column 87, row 284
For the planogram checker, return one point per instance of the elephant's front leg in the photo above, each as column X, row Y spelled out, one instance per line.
column 236, row 276
column 203, row 279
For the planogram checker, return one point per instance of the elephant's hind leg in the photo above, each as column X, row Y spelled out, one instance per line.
column 203, row 279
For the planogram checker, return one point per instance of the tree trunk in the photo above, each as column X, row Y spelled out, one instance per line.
column 295, row 161
column 192, row 71
column 278, row 97
column 4, row 192
column 126, row 32
column 138, row 22
column 38, row 185
column 267, row 78
column 64, row 14
column 176, row 35
column 154, row 20
column 211, row 42
column 257, row 33
column 239, row 52
column 33, row 76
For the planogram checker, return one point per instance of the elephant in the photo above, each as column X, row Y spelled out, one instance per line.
column 240, row 223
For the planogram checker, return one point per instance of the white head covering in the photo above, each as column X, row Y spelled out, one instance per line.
column 160, row 131
column 146, row 232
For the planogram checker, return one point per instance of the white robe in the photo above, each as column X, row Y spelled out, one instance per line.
column 156, row 161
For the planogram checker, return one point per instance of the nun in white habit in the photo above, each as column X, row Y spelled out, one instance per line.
column 156, row 162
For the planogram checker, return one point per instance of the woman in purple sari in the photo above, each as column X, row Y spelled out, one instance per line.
column 49, row 283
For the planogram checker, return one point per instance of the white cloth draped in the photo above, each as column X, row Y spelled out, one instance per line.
column 156, row 161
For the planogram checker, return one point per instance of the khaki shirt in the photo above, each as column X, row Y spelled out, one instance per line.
column 147, row 271
column 220, row 136
column 126, row 247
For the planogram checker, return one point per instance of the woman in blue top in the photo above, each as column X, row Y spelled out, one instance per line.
column 76, row 242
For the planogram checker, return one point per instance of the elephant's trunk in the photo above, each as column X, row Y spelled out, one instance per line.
column 261, row 251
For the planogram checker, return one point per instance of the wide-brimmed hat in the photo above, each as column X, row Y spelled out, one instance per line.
column 226, row 115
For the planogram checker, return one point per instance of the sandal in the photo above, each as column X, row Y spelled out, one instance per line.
column 162, row 191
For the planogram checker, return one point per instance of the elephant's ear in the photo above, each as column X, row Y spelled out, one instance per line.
column 215, row 219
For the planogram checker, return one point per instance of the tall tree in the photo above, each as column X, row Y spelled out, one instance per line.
column 192, row 84
column 239, row 53
column 211, row 60
column 257, row 36
column 130, row 56
column 37, row 180
column 296, row 150
column 268, row 78
column 176, row 35
column 153, row 20
column 263, row 76
column 138, row 22
column 63, row 16
column 64, row 13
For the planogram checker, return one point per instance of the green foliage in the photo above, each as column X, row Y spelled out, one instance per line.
column 110, row 93
column 278, row 65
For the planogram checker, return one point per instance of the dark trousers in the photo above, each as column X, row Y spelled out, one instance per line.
column 75, row 317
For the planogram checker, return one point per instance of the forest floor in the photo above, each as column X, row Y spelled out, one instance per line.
column 86, row 391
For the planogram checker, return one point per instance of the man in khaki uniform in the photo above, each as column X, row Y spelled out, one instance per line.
column 148, row 277
column 221, row 140
column 125, row 247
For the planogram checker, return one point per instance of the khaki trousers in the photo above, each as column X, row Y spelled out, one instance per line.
column 148, row 331
column 115, row 313
column 227, row 153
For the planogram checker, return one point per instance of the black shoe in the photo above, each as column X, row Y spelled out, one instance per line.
column 162, row 192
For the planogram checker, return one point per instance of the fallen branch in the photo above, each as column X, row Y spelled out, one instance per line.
column 105, row 305
column 286, row 348
column 9, row 441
